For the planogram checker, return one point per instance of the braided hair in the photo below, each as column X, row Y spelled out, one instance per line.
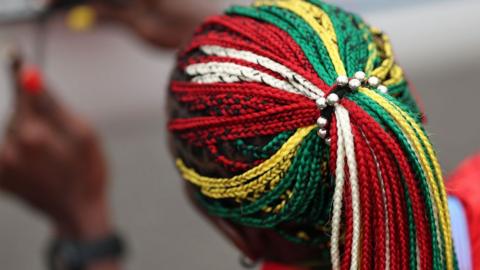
column 299, row 120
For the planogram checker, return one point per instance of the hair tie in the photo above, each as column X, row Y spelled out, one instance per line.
column 342, row 86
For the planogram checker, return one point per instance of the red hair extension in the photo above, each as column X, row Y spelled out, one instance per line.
column 365, row 197
column 208, row 129
column 347, row 252
column 419, row 214
column 378, row 204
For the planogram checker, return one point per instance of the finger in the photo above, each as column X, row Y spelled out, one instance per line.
column 35, row 138
column 46, row 110
column 28, row 86
column 34, row 100
column 26, row 79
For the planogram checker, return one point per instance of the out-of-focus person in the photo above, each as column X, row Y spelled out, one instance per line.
column 53, row 161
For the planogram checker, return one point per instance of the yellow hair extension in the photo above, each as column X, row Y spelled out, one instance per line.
column 230, row 187
column 383, row 70
column 396, row 76
column 318, row 20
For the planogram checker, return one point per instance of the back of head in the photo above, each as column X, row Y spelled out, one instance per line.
column 292, row 120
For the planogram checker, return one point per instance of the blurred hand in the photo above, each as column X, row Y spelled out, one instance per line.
column 162, row 23
column 52, row 160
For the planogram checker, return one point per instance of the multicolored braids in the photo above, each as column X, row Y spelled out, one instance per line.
column 312, row 123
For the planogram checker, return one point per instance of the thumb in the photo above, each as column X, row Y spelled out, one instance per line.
column 34, row 99
column 32, row 94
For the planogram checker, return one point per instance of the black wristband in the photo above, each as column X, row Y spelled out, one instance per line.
column 65, row 254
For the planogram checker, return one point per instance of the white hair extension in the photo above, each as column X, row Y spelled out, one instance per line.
column 346, row 129
column 244, row 74
column 248, row 74
column 338, row 196
column 293, row 77
column 213, row 78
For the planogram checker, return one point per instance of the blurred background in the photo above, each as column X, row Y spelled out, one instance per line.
column 118, row 82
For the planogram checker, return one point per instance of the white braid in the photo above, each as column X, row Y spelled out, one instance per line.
column 338, row 196
column 344, row 120
column 213, row 78
column 294, row 78
column 243, row 73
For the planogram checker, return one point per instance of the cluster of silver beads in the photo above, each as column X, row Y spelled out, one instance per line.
column 322, row 122
column 359, row 79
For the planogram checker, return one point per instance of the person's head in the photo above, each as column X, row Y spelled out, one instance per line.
column 298, row 137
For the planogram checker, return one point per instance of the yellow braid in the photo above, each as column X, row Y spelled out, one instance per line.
column 387, row 53
column 318, row 20
column 235, row 186
column 396, row 76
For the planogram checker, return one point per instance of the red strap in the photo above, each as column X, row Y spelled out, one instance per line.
column 465, row 185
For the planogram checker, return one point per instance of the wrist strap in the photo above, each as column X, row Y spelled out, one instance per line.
column 65, row 254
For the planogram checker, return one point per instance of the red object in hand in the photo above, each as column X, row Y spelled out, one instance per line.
column 31, row 80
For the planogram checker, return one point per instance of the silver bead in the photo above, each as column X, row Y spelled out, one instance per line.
column 321, row 103
column 373, row 81
column 382, row 89
column 332, row 99
column 360, row 75
column 322, row 122
column 354, row 84
column 342, row 80
column 322, row 133
column 328, row 141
